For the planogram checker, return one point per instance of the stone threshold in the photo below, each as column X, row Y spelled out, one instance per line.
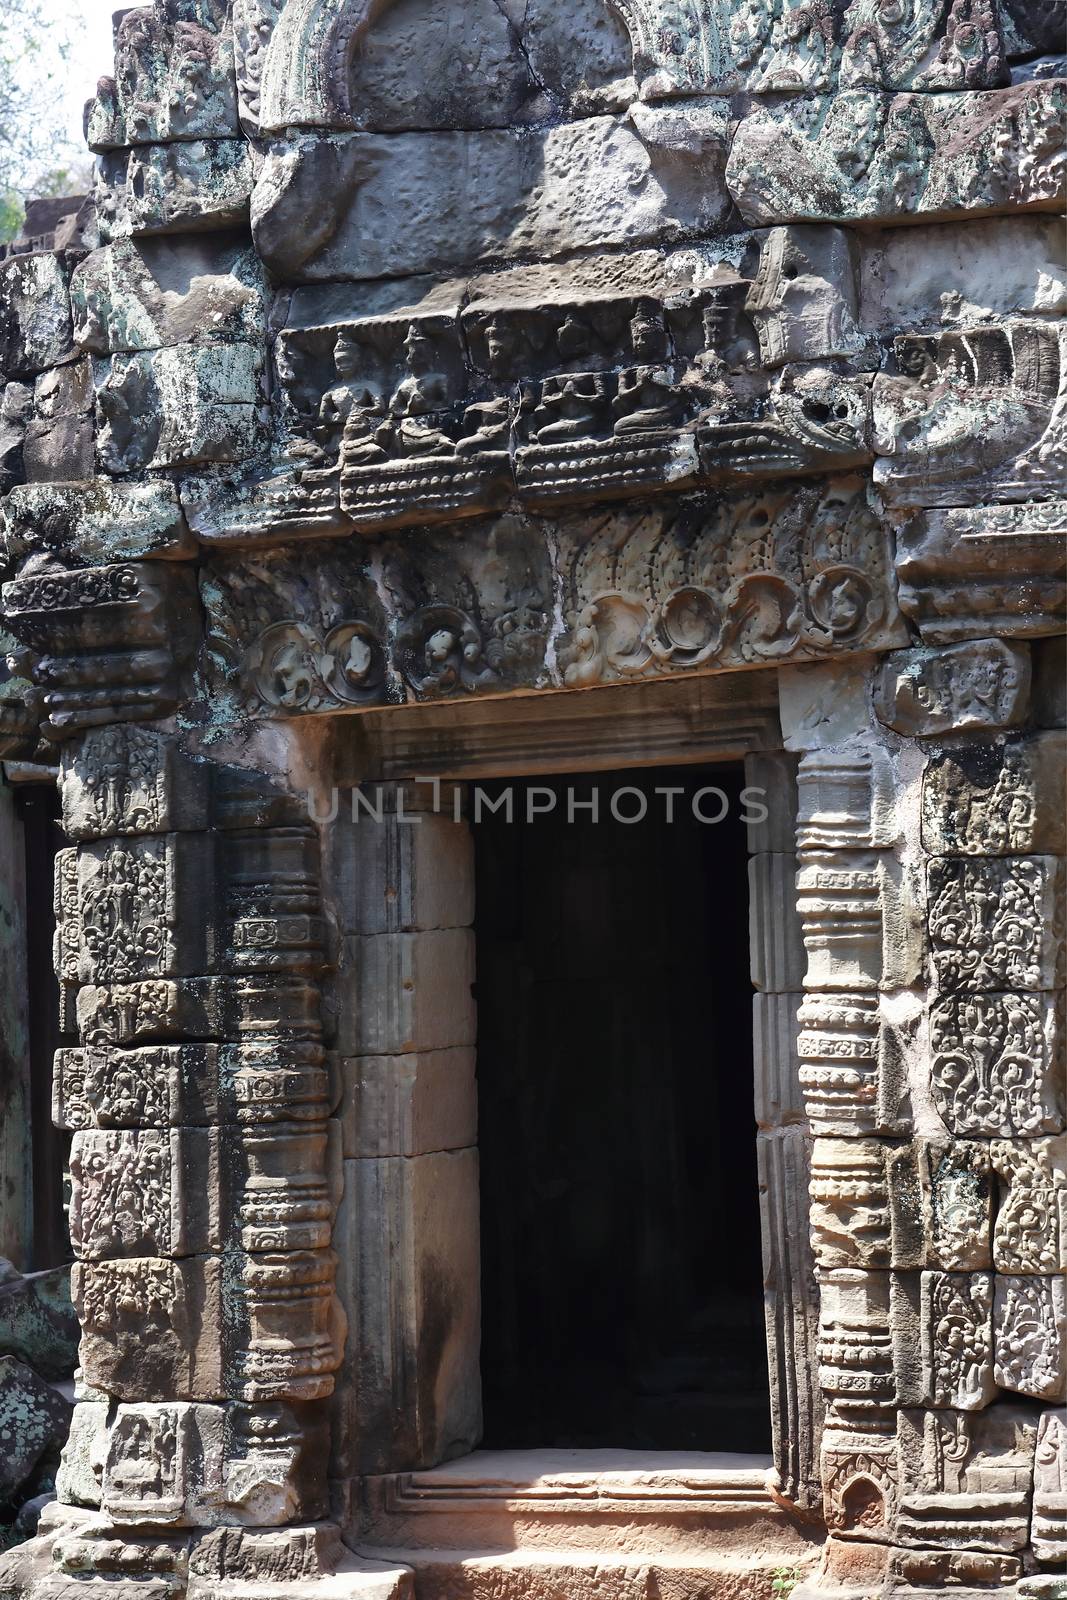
column 611, row 1502
column 600, row 1575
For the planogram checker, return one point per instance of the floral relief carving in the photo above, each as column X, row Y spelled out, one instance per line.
column 121, row 1199
column 1029, row 1234
column 958, row 1354
column 994, row 1068
column 988, row 927
column 124, row 907
column 1030, row 1335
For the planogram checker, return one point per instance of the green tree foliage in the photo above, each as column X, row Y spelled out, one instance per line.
column 35, row 155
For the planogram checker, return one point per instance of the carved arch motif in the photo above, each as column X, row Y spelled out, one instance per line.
column 678, row 47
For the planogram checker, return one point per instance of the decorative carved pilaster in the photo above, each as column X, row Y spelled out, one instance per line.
column 205, row 1170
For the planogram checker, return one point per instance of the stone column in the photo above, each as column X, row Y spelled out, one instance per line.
column 860, row 948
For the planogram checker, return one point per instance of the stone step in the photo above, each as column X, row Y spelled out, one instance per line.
column 611, row 1502
column 598, row 1575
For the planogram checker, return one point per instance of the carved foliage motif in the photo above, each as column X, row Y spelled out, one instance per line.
column 125, row 912
column 1030, row 1334
column 121, row 1201
column 958, row 1339
column 788, row 573
column 860, row 154
column 995, row 1067
column 1030, row 1233
column 988, row 923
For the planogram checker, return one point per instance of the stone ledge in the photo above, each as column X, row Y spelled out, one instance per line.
column 621, row 1504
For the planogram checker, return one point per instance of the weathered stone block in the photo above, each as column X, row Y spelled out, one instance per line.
column 37, row 1322
column 407, row 1237
column 125, row 911
column 966, row 1479
column 943, row 1338
column 177, row 407
column 862, row 155
column 778, row 1098
column 839, row 1048
column 410, row 991
column 850, row 1222
column 1014, row 372
column 1050, row 682
column 941, row 1203
column 776, row 947
column 845, row 799
column 1030, row 1336
column 994, row 924
column 33, row 1423
column 953, row 689
column 409, row 1105
column 859, row 1474
column 82, row 1465
column 254, row 1327
column 95, row 522
column 931, row 277
column 997, row 799
column 174, row 79
column 1049, row 1528
column 771, row 783
column 791, row 1311
column 151, row 1327
column 975, row 572
column 997, row 1063
column 823, row 706
column 118, row 639
column 804, row 299
column 128, row 780
column 856, row 1366
column 187, row 187
column 35, row 322
column 988, row 1573
column 58, row 442
column 183, row 1465
column 410, row 202
column 1030, row 1233
column 280, row 1006
column 859, row 922
column 144, row 1193
column 144, row 294
column 403, row 874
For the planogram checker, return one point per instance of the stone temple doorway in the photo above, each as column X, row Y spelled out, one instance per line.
column 622, row 1284
column 572, row 1102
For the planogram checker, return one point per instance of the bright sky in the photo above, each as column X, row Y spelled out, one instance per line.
column 91, row 55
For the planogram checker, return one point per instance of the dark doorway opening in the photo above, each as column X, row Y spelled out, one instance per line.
column 621, row 1261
